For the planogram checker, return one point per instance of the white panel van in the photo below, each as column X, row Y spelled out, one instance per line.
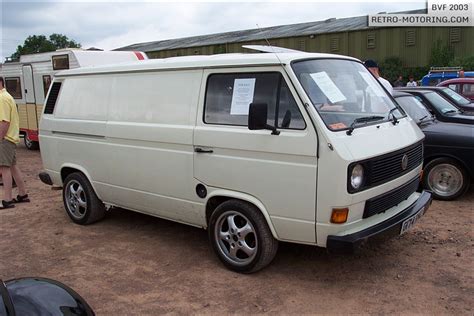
column 255, row 148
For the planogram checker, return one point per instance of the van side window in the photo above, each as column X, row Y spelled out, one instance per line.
column 228, row 97
column 13, row 86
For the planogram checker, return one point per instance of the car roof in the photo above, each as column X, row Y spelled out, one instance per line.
column 457, row 80
column 397, row 94
column 421, row 88
column 422, row 91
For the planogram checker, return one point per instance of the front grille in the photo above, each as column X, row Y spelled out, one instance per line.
column 387, row 200
column 389, row 166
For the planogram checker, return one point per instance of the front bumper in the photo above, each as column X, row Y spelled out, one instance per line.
column 393, row 225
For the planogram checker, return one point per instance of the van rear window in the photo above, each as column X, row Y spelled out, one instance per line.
column 228, row 97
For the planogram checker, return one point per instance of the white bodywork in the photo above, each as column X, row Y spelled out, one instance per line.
column 132, row 130
column 32, row 69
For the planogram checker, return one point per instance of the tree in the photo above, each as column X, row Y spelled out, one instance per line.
column 40, row 44
column 441, row 55
column 391, row 68
column 467, row 63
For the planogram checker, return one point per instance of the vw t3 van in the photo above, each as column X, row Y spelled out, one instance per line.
column 255, row 148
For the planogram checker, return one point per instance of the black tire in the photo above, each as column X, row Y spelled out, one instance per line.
column 92, row 209
column 258, row 235
column 440, row 173
column 29, row 144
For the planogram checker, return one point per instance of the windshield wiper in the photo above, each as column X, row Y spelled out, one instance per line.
column 364, row 119
column 451, row 111
column 423, row 118
column 394, row 120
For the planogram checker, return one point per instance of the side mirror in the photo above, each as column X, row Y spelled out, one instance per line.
column 258, row 116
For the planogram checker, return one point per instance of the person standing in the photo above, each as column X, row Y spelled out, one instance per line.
column 412, row 82
column 374, row 69
column 9, row 137
column 399, row 82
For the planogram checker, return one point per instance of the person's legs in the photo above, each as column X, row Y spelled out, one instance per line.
column 7, row 183
column 18, row 176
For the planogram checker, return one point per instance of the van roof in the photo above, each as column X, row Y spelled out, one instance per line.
column 206, row 61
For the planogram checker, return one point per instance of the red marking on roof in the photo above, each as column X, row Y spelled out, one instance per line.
column 139, row 55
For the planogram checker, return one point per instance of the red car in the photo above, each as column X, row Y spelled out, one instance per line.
column 464, row 86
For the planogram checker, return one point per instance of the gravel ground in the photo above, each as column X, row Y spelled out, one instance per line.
column 133, row 264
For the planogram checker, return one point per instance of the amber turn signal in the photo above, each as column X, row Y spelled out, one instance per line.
column 339, row 215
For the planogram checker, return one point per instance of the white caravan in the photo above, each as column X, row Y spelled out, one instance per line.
column 28, row 80
column 255, row 148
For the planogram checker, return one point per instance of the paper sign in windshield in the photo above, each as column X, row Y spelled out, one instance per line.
column 242, row 96
column 372, row 84
column 328, row 87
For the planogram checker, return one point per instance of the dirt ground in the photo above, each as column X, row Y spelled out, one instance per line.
column 133, row 264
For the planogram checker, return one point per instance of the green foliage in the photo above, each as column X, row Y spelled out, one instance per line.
column 467, row 63
column 441, row 55
column 391, row 68
column 40, row 44
column 417, row 72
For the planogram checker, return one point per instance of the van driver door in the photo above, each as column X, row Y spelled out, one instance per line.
column 278, row 170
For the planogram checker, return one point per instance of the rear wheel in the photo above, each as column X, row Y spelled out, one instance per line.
column 80, row 201
column 30, row 144
column 241, row 237
column 445, row 178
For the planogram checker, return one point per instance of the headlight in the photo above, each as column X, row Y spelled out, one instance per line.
column 357, row 176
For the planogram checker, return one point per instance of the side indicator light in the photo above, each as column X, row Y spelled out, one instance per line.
column 339, row 215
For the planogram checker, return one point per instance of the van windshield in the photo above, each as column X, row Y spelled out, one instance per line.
column 343, row 91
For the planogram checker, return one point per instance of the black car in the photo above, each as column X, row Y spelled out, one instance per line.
column 40, row 296
column 440, row 107
column 452, row 96
column 448, row 150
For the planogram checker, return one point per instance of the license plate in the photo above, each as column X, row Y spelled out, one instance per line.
column 408, row 223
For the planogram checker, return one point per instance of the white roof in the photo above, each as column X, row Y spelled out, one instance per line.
column 85, row 58
column 211, row 61
column 39, row 57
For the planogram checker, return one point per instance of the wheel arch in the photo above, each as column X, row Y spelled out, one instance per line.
column 67, row 169
column 430, row 158
column 218, row 197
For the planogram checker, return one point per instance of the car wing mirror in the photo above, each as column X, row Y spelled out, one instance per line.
column 257, row 118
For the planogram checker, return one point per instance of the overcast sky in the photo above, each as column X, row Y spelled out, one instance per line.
column 113, row 24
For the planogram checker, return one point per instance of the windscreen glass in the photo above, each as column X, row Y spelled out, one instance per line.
column 441, row 104
column 344, row 91
column 456, row 97
column 414, row 108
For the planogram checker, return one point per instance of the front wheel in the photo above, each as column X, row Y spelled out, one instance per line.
column 445, row 178
column 80, row 201
column 240, row 236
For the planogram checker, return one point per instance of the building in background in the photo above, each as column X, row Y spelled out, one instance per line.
column 345, row 36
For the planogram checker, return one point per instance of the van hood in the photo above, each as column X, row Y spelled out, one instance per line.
column 376, row 140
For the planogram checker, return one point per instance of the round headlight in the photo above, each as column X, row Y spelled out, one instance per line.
column 357, row 176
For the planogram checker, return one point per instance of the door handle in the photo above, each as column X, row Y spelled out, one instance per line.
column 203, row 151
